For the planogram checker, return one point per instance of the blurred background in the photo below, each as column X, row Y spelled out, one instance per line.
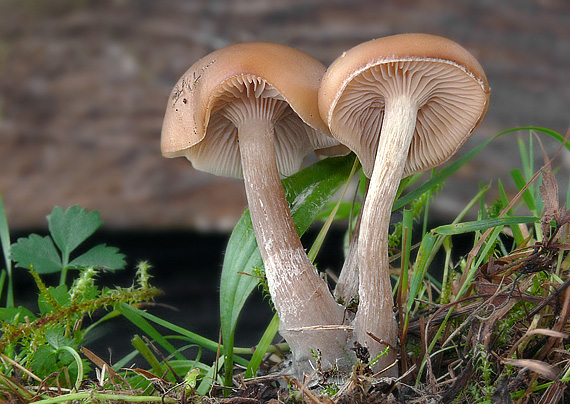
column 84, row 85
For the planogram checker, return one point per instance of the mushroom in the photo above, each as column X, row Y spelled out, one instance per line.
column 403, row 104
column 251, row 110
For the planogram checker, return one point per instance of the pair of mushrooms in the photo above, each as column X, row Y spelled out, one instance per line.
column 403, row 104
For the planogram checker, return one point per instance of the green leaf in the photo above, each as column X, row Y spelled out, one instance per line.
column 36, row 251
column 520, row 182
column 421, row 267
column 444, row 173
column 55, row 336
column 468, row 227
column 43, row 361
column 307, row 192
column 142, row 348
column 101, row 256
column 71, row 228
column 346, row 210
column 5, row 244
column 261, row 348
column 60, row 296
column 15, row 315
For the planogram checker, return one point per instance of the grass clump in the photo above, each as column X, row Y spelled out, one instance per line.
column 486, row 325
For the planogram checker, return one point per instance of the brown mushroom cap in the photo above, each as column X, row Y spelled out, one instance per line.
column 196, row 124
column 446, row 82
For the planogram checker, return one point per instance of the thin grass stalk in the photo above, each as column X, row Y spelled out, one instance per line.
column 438, row 243
column 426, row 207
column 147, row 354
column 407, row 222
column 5, row 244
column 318, row 243
column 517, row 233
column 262, row 346
column 475, row 251
column 445, row 283
column 192, row 337
column 148, row 329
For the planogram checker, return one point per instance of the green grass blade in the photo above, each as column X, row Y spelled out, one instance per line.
column 317, row 244
column 438, row 177
column 261, row 348
column 520, row 182
column 478, row 225
column 517, row 233
column 189, row 335
column 420, row 269
column 134, row 316
column 526, row 162
column 147, row 354
column 208, row 379
column 3, row 276
column 5, row 242
column 79, row 364
column 444, row 173
column 407, row 224
column 481, row 256
column 125, row 360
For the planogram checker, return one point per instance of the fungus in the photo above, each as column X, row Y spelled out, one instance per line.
column 250, row 110
column 403, row 104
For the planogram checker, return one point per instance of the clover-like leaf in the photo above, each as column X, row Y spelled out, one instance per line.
column 101, row 256
column 36, row 251
column 71, row 228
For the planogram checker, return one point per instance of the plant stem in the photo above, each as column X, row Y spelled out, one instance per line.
column 107, row 398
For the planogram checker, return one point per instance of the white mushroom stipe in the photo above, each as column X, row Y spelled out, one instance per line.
column 403, row 104
column 250, row 110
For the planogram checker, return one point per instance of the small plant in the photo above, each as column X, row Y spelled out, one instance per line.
column 68, row 230
column 47, row 343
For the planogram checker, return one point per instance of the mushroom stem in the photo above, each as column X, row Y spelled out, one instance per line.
column 346, row 289
column 375, row 310
column 300, row 296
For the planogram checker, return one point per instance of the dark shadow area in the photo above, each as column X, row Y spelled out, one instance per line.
column 186, row 266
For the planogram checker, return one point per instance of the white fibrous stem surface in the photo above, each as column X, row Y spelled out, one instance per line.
column 302, row 300
column 375, row 311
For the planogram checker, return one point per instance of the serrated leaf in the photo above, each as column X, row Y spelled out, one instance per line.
column 55, row 336
column 15, row 315
column 59, row 294
column 71, row 228
column 43, row 361
column 101, row 256
column 37, row 251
